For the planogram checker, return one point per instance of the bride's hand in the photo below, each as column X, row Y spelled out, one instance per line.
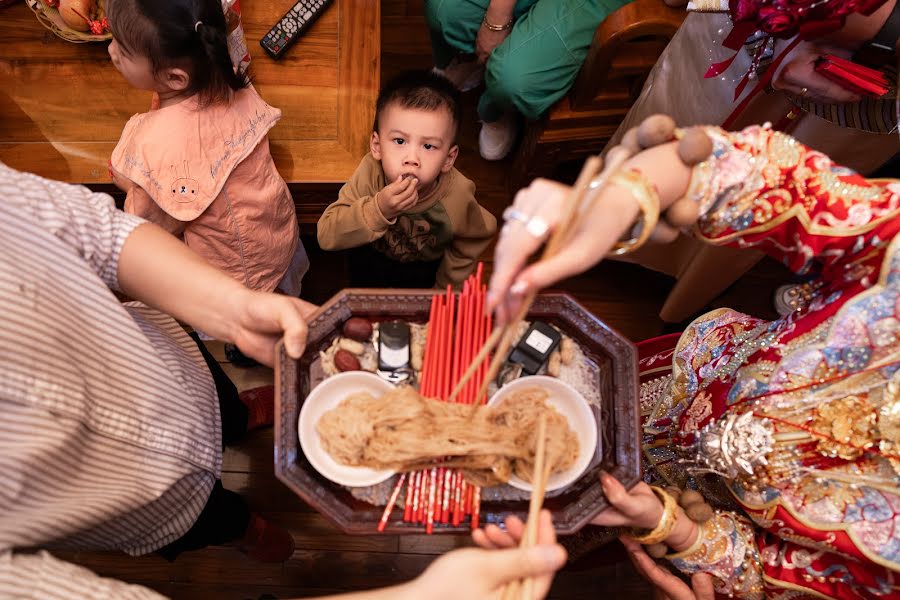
column 669, row 586
column 638, row 507
column 540, row 205
column 536, row 211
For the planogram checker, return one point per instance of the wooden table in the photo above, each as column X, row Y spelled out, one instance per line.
column 63, row 105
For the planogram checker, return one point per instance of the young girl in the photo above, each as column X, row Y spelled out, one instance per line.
column 198, row 164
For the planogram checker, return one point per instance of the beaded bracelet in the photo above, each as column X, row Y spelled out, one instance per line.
column 694, row 147
column 695, row 508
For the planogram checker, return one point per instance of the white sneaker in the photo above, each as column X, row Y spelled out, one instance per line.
column 497, row 138
column 466, row 76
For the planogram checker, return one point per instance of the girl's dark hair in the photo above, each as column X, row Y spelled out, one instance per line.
column 164, row 32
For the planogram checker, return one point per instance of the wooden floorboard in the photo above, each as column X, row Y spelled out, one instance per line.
column 625, row 296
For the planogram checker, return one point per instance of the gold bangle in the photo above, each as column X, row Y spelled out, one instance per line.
column 666, row 522
column 493, row 27
column 648, row 201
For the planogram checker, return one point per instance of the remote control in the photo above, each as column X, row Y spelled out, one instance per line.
column 288, row 29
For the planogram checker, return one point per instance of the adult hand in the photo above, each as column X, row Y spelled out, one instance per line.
column 595, row 234
column 612, row 212
column 487, row 40
column 671, row 587
column 484, row 572
column 492, row 537
column 397, row 197
column 797, row 75
column 258, row 320
column 638, row 507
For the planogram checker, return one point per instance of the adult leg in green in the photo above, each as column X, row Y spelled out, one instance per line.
column 537, row 64
column 454, row 24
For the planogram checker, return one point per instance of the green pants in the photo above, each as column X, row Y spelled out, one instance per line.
column 536, row 65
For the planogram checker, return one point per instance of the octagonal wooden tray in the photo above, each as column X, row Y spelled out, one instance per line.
column 617, row 418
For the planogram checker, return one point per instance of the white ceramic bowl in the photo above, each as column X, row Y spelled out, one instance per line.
column 573, row 406
column 321, row 399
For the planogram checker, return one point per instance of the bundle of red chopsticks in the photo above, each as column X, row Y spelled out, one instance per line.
column 458, row 327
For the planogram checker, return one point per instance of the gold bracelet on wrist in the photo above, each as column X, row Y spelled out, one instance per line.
column 648, row 201
column 493, row 27
column 666, row 522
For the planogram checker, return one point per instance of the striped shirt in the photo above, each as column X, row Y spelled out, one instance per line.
column 110, row 435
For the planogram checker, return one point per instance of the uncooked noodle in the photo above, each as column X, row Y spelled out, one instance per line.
column 403, row 431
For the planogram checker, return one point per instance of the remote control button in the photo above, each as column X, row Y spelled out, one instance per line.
column 308, row 15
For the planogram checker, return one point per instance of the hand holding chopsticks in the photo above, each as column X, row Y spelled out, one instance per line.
column 524, row 572
column 644, row 166
column 502, row 338
column 537, row 530
column 484, row 572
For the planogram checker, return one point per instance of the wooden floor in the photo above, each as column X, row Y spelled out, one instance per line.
column 625, row 296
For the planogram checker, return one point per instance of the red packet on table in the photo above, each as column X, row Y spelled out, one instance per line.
column 853, row 76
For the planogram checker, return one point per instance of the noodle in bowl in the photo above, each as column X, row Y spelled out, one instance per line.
column 324, row 397
column 569, row 403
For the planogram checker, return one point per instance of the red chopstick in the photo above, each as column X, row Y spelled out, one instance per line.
column 390, row 505
column 457, row 327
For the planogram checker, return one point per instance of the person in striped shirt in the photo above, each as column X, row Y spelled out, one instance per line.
column 113, row 423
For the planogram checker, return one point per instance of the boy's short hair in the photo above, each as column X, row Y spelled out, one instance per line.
column 423, row 90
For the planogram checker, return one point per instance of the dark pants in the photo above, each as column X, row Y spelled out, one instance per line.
column 226, row 515
column 369, row 268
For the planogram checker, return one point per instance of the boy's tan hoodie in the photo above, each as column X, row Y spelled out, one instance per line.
column 447, row 223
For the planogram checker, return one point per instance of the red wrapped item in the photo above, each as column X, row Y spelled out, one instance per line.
column 237, row 46
column 853, row 76
column 786, row 18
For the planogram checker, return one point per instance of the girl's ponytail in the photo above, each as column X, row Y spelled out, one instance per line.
column 220, row 76
column 188, row 34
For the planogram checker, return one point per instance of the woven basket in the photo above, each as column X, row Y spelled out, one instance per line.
column 49, row 18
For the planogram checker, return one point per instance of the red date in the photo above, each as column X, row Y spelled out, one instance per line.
column 345, row 361
column 357, row 328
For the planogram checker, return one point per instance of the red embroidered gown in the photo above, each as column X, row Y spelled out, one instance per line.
column 810, row 476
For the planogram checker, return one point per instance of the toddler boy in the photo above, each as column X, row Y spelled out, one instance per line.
column 410, row 214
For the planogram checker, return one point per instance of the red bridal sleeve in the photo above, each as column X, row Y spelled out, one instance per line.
column 763, row 189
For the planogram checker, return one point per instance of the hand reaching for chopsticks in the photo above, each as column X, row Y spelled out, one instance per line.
column 484, row 572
